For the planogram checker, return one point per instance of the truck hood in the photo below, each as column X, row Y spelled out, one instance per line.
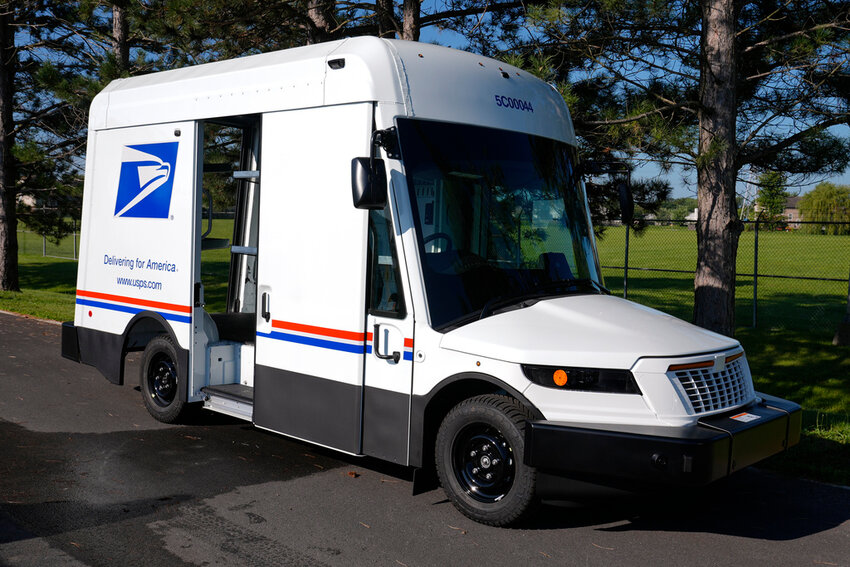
column 583, row 330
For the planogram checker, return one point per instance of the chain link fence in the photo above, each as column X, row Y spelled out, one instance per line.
column 32, row 243
column 788, row 276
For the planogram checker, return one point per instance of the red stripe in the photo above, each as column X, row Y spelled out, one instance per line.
column 324, row 331
column 135, row 301
column 408, row 343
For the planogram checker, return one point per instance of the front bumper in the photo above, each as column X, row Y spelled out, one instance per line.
column 715, row 447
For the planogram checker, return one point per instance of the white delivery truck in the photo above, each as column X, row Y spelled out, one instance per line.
column 413, row 276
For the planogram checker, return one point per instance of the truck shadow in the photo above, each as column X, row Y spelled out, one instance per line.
column 751, row 504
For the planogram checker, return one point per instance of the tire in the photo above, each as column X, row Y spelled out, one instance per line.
column 482, row 436
column 161, row 380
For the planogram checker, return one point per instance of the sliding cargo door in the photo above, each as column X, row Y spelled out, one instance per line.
column 311, row 339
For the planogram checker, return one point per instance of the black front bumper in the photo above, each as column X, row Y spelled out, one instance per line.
column 715, row 447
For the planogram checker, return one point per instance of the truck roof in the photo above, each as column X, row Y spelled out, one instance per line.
column 424, row 80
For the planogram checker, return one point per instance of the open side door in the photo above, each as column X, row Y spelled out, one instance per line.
column 311, row 340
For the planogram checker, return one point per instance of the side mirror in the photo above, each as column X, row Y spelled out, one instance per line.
column 368, row 183
column 627, row 202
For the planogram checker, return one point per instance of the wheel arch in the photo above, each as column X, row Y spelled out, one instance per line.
column 141, row 329
column 428, row 411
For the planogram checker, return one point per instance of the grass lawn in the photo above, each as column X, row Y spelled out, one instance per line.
column 48, row 286
column 790, row 352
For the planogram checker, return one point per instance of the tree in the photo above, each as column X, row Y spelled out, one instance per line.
column 677, row 209
column 772, row 195
column 827, row 202
column 8, row 200
column 714, row 86
column 38, row 130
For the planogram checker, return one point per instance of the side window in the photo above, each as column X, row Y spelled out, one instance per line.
column 385, row 295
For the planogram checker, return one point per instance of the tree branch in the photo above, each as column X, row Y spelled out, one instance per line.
column 798, row 33
column 681, row 105
column 745, row 158
column 436, row 17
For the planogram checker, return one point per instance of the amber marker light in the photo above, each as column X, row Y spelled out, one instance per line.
column 734, row 357
column 560, row 377
column 693, row 365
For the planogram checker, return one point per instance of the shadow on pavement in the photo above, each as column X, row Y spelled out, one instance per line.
column 750, row 504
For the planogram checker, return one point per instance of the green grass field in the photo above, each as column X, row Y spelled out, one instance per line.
column 790, row 352
column 783, row 303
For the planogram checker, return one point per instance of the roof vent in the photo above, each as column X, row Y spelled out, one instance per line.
column 336, row 64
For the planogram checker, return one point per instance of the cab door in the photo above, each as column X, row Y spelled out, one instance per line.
column 389, row 352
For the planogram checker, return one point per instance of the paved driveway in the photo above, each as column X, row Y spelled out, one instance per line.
column 88, row 478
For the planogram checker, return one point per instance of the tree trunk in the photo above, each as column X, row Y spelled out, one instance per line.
column 718, row 227
column 411, row 12
column 8, row 219
column 320, row 13
column 120, row 33
column 386, row 18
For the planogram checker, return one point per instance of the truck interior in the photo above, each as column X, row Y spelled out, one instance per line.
column 228, row 275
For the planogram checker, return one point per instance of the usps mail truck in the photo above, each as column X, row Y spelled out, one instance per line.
column 413, row 276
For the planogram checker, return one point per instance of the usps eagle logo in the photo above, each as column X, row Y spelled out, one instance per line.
column 146, row 180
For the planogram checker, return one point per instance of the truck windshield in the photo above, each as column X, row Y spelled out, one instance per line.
column 501, row 219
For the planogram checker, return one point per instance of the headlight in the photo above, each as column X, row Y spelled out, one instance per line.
column 582, row 379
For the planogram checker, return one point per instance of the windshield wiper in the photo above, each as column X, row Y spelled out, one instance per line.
column 572, row 282
column 537, row 293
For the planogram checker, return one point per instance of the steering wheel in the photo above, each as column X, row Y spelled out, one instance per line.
column 440, row 236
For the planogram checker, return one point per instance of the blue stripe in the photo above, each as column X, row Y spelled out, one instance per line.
column 132, row 310
column 321, row 343
column 408, row 355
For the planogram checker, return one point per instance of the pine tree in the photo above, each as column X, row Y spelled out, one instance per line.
column 43, row 87
column 772, row 195
column 714, row 86
column 8, row 196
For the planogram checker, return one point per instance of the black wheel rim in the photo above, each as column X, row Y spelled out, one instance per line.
column 162, row 380
column 483, row 462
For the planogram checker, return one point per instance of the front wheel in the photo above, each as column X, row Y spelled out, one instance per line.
column 479, row 458
column 161, row 380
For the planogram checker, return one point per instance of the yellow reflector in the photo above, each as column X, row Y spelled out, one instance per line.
column 704, row 364
column 734, row 357
column 560, row 377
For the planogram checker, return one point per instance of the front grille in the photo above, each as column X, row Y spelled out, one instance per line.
column 710, row 391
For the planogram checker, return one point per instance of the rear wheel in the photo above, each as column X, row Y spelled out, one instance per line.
column 479, row 458
column 161, row 380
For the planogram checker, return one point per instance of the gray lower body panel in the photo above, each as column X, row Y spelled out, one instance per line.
column 315, row 409
column 385, row 425
column 105, row 351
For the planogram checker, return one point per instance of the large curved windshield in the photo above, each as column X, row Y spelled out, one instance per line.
column 501, row 219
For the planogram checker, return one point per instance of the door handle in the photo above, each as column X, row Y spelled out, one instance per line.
column 376, row 344
column 265, row 313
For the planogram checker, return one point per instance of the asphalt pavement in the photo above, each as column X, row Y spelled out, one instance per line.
column 87, row 478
